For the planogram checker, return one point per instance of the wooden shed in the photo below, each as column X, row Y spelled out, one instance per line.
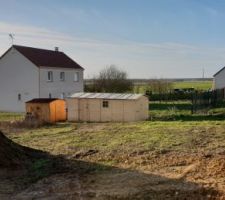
column 105, row 107
column 47, row 110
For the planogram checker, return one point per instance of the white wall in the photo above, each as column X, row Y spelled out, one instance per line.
column 57, row 87
column 219, row 80
column 17, row 76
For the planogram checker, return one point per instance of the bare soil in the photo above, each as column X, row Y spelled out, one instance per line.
column 146, row 174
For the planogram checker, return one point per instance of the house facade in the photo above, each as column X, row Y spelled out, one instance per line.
column 27, row 73
column 219, row 79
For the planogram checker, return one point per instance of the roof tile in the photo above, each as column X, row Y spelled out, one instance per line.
column 47, row 58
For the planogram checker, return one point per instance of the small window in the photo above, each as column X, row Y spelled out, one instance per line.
column 50, row 95
column 50, row 76
column 63, row 95
column 62, row 76
column 19, row 97
column 105, row 104
column 76, row 76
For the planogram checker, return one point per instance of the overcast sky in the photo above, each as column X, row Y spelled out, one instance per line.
column 147, row 38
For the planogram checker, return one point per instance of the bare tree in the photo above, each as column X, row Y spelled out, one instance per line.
column 159, row 86
column 112, row 79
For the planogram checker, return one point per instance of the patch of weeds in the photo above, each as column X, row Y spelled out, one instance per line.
column 39, row 169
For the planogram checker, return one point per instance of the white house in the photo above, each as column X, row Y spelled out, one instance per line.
column 27, row 73
column 219, row 79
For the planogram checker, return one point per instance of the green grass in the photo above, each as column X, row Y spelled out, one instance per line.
column 182, row 110
column 199, row 85
column 39, row 169
column 112, row 139
column 7, row 116
column 171, row 110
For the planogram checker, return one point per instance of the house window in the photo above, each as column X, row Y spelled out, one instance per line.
column 50, row 95
column 76, row 76
column 63, row 95
column 50, row 76
column 105, row 104
column 62, row 76
column 19, row 97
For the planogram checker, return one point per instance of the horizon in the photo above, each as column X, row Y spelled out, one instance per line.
column 169, row 40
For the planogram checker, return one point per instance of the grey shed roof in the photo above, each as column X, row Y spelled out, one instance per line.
column 121, row 96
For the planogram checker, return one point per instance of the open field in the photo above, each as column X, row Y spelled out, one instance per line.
column 199, row 85
column 159, row 159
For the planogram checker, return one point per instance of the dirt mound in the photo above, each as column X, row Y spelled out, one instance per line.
column 216, row 167
column 13, row 155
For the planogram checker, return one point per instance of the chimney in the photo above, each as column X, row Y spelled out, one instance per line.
column 56, row 48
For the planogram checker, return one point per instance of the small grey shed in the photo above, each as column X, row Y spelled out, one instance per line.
column 106, row 107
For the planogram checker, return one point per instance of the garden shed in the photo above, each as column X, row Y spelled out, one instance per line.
column 105, row 107
column 47, row 110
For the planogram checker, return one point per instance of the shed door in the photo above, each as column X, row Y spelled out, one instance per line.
column 84, row 110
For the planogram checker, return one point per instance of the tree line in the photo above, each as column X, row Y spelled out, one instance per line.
column 115, row 80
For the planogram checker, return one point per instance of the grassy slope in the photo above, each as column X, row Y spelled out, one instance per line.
column 129, row 137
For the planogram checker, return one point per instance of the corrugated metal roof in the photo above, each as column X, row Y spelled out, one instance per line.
column 122, row 96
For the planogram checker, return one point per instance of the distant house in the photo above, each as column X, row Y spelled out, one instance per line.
column 219, row 79
column 106, row 107
column 27, row 73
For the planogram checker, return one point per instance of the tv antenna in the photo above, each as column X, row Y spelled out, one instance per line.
column 11, row 36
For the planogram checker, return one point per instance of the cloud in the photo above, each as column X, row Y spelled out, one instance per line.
column 141, row 60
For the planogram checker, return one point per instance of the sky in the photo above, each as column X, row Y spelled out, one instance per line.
column 146, row 38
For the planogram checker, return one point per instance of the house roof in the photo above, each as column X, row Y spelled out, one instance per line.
column 218, row 71
column 119, row 96
column 46, row 58
column 41, row 100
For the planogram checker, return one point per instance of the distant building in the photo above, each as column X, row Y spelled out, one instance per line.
column 219, row 79
column 107, row 107
column 27, row 73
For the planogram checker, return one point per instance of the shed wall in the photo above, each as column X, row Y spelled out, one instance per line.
column 142, row 108
column 72, row 109
column 39, row 110
column 58, row 111
column 48, row 112
column 118, row 110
